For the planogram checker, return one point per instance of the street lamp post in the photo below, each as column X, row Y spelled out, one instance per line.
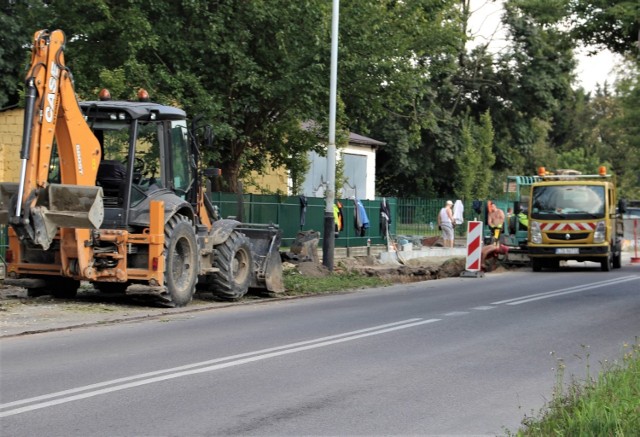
column 328, row 244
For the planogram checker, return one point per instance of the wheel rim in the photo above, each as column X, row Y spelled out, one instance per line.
column 240, row 266
column 182, row 263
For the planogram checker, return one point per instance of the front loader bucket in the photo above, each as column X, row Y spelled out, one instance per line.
column 7, row 190
column 273, row 273
column 265, row 243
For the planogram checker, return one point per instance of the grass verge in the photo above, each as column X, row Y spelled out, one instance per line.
column 297, row 284
column 608, row 405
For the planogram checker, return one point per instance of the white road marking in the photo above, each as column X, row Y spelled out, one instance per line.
column 249, row 357
column 563, row 291
column 202, row 367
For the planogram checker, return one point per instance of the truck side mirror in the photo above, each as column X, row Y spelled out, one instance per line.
column 622, row 206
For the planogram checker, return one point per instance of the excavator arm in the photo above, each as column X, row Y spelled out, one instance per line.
column 35, row 208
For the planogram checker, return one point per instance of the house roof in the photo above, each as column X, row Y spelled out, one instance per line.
column 361, row 139
column 353, row 137
column 9, row 108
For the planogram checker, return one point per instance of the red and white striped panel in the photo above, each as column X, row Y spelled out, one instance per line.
column 474, row 246
column 563, row 227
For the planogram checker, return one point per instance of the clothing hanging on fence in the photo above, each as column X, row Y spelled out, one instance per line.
column 385, row 218
column 303, row 210
column 458, row 212
column 477, row 206
column 360, row 219
column 338, row 218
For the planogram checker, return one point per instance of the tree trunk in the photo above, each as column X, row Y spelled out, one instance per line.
column 230, row 173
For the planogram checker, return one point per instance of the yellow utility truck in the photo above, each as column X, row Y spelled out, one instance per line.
column 574, row 217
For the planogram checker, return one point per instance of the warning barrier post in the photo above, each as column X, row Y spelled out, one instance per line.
column 473, row 265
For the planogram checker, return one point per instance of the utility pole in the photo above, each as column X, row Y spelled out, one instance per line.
column 328, row 242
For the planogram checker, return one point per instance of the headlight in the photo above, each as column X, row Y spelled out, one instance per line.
column 600, row 233
column 536, row 234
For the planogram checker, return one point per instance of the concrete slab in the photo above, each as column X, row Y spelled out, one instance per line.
column 424, row 252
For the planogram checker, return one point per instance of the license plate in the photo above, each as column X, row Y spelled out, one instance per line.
column 567, row 251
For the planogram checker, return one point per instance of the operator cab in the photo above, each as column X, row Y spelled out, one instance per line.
column 145, row 151
column 146, row 155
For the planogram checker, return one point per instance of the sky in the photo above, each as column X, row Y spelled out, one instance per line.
column 485, row 25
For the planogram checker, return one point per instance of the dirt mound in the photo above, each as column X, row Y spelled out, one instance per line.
column 414, row 270
column 418, row 270
column 312, row 269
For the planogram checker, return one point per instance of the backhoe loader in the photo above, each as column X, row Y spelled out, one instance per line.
column 111, row 192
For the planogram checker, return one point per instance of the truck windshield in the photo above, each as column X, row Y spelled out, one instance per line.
column 568, row 201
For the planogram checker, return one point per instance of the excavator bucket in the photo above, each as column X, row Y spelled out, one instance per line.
column 64, row 206
column 73, row 206
column 265, row 243
column 57, row 206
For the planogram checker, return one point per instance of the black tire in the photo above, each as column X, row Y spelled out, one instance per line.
column 111, row 287
column 617, row 260
column 66, row 288
column 554, row 264
column 59, row 287
column 536, row 264
column 37, row 292
column 181, row 260
column 233, row 258
column 607, row 264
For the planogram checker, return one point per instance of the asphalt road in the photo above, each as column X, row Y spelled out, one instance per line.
column 456, row 356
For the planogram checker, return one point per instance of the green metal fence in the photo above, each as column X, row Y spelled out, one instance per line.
column 419, row 217
column 287, row 212
column 413, row 217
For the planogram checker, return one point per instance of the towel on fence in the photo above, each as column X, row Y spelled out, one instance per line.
column 360, row 219
column 458, row 212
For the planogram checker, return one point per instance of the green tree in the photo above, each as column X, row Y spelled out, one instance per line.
column 538, row 71
column 579, row 159
column 14, row 52
column 399, row 88
column 467, row 163
column 485, row 137
column 473, row 176
column 244, row 65
column 621, row 134
column 614, row 24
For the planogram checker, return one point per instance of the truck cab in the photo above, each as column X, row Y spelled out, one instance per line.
column 574, row 217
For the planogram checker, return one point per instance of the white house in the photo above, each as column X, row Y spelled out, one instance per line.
column 359, row 159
